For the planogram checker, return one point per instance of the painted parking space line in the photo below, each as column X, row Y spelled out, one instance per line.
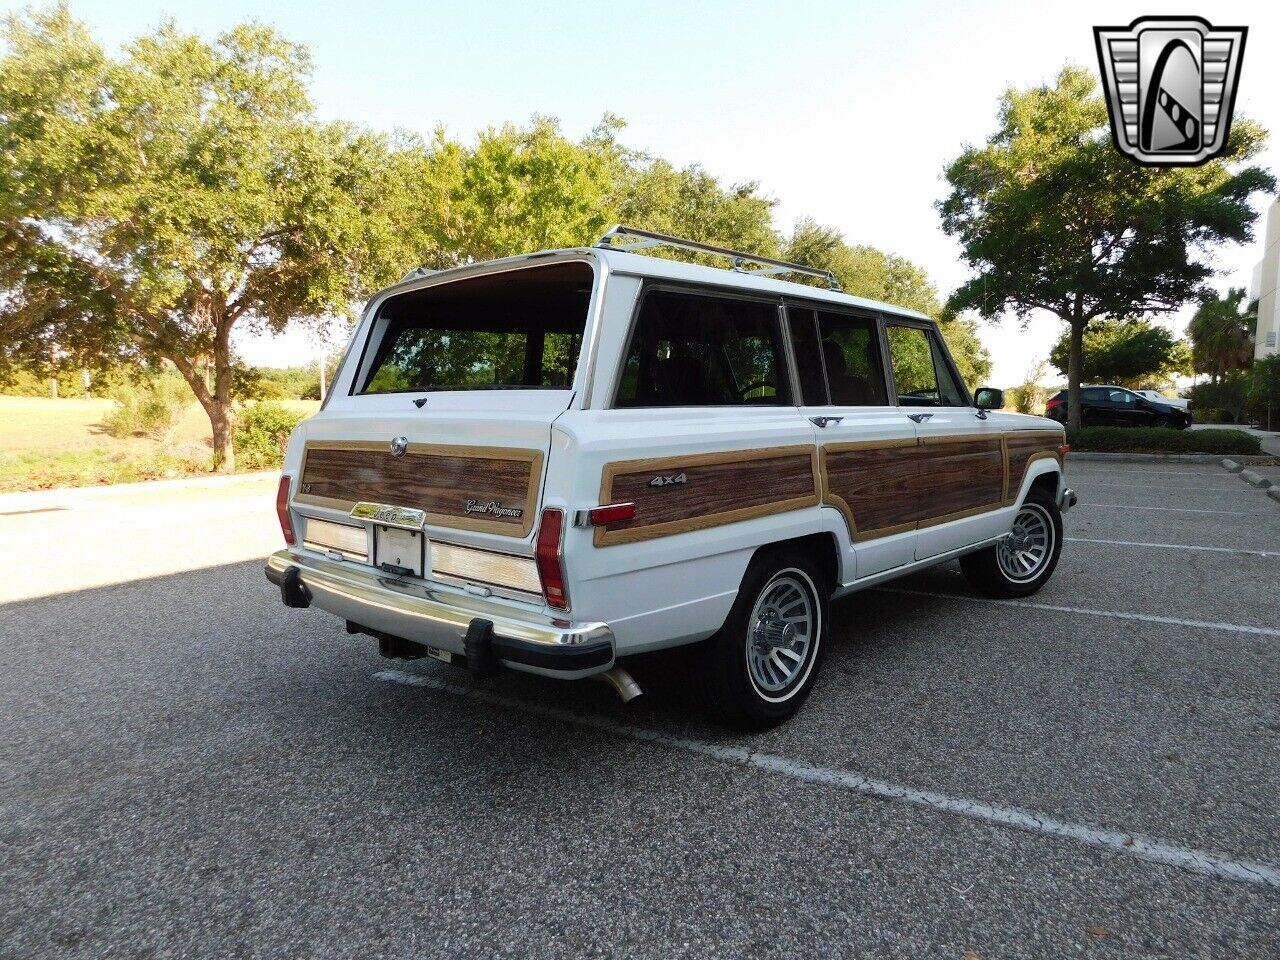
column 1126, row 506
column 1089, row 611
column 1209, row 471
column 1144, row 487
column 1015, row 818
column 1176, row 546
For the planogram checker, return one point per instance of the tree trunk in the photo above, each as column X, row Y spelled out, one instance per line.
column 224, row 454
column 222, row 416
column 216, row 402
column 1075, row 365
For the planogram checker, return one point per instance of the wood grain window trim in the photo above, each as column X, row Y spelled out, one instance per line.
column 605, row 537
column 518, row 454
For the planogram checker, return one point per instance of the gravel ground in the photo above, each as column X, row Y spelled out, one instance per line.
column 189, row 769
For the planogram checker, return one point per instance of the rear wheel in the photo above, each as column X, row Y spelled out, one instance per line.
column 1024, row 561
column 761, row 664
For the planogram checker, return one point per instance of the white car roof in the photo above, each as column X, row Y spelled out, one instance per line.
column 661, row 268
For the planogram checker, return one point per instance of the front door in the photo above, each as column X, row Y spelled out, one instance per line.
column 961, row 461
column 867, row 445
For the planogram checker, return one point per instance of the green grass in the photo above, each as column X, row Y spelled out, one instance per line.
column 42, row 471
column 1162, row 440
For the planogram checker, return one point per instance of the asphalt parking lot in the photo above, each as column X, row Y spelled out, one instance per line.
column 189, row 769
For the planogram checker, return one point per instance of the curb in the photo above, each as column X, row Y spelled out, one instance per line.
column 1248, row 476
column 1089, row 457
column 1232, row 466
column 29, row 499
column 1274, row 494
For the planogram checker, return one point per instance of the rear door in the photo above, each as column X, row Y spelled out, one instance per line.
column 961, row 459
column 867, row 445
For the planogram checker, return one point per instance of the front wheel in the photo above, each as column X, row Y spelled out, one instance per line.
column 1023, row 562
column 761, row 664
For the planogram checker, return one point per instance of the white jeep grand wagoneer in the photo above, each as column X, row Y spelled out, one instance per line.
column 553, row 461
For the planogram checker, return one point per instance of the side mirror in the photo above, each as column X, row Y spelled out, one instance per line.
column 988, row 398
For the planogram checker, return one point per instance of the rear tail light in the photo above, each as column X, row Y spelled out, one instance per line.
column 1064, row 449
column 550, row 558
column 1054, row 403
column 282, row 510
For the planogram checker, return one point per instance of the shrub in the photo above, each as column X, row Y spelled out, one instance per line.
column 1227, row 394
column 1162, row 440
column 261, row 433
column 148, row 408
column 1216, row 415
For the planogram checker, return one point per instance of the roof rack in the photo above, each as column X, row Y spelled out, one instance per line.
column 768, row 266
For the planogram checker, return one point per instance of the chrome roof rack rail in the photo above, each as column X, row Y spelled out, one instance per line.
column 643, row 239
column 417, row 273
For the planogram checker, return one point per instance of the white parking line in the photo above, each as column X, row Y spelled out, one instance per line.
column 1175, row 546
column 1116, row 841
column 1125, row 506
column 1209, row 470
column 1147, row 486
column 1116, row 614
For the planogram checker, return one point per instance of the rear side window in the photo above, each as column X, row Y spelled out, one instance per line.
column 505, row 331
column 697, row 350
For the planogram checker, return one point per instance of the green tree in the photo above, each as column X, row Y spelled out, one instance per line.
column 867, row 272
column 1052, row 217
column 1264, row 389
column 1129, row 353
column 1222, row 334
column 151, row 203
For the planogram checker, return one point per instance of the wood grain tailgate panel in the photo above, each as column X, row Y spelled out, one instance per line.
column 437, row 479
column 718, row 488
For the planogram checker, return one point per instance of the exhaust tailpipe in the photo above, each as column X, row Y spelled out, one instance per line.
column 622, row 682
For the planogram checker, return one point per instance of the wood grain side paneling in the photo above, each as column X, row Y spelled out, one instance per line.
column 1024, row 448
column 718, row 488
column 959, row 477
column 487, row 489
column 874, row 484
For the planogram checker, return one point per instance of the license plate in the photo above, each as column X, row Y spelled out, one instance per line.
column 444, row 656
column 399, row 551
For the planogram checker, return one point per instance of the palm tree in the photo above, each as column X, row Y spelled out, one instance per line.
column 1222, row 335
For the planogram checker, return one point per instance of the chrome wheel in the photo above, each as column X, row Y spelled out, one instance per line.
column 782, row 634
column 1023, row 554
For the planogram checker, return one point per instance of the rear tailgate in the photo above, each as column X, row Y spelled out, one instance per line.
column 472, row 462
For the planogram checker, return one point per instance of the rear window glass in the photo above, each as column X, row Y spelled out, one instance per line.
column 691, row 350
column 505, row 331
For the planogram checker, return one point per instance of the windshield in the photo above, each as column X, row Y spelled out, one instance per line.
column 521, row 329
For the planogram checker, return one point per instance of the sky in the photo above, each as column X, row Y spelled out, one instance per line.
column 844, row 112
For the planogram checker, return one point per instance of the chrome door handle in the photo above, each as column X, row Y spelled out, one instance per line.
column 919, row 417
column 824, row 421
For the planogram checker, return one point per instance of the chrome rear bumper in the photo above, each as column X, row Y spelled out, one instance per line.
column 442, row 616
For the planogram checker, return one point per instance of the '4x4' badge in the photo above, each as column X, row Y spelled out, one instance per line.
column 669, row 480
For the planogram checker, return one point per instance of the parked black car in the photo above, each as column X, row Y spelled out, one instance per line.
column 1118, row 407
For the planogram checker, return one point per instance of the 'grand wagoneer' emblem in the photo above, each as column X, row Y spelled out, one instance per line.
column 493, row 508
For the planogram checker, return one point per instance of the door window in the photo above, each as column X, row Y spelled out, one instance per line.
column 851, row 353
column 920, row 373
column 1122, row 398
column 694, row 350
column 804, row 341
